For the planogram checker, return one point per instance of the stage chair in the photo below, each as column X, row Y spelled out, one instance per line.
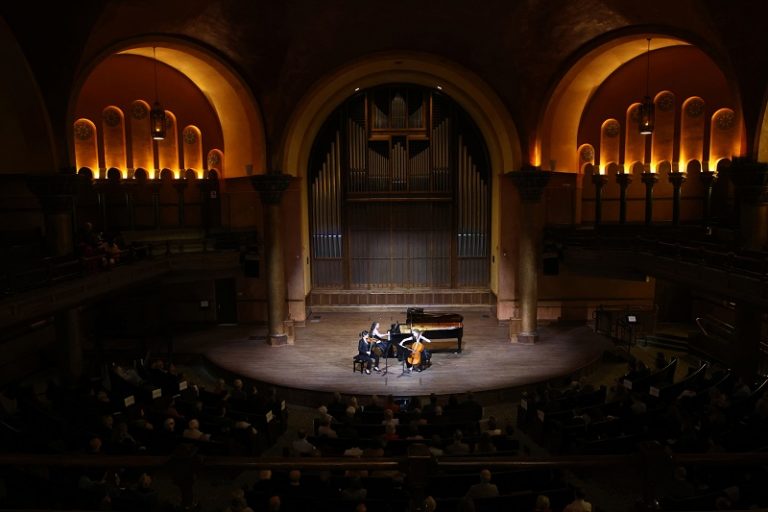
column 357, row 361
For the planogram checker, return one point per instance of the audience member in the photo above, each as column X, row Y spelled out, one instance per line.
column 542, row 504
column 301, row 446
column 354, row 490
column 485, row 444
column 193, row 432
column 483, row 489
column 325, row 429
column 457, row 446
column 579, row 503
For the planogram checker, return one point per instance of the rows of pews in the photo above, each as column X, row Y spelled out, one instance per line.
column 700, row 413
column 142, row 399
column 518, row 489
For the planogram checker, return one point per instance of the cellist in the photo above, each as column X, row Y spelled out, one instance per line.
column 419, row 353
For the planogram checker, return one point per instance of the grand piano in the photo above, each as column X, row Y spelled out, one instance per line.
column 435, row 326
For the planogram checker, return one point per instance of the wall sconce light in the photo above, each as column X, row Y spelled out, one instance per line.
column 157, row 114
column 645, row 117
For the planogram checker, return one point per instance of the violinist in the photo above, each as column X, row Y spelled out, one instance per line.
column 365, row 354
column 381, row 342
column 418, row 352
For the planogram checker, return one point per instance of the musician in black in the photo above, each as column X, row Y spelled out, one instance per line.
column 381, row 341
column 425, row 356
column 364, row 353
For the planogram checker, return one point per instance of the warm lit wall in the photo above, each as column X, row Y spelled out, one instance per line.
column 168, row 148
column 120, row 80
column 86, row 148
column 663, row 136
column 193, row 150
column 142, row 149
column 634, row 141
column 113, row 133
column 610, row 143
column 685, row 71
column 692, row 123
column 724, row 136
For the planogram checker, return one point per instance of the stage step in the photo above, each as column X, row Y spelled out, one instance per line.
column 362, row 300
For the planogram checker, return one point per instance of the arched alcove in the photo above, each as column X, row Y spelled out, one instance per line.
column 228, row 95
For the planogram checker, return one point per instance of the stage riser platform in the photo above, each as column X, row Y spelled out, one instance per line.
column 362, row 300
column 320, row 361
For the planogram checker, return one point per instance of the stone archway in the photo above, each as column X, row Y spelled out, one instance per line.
column 468, row 90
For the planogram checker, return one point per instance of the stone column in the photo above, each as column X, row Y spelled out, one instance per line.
column 530, row 185
column 751, row 181
column 676, row 179
column 599, row 180
column 624, row 180
column 271, row 187
column 650, row 179
column 57, row 193
column 708, row 179
column 69, row 342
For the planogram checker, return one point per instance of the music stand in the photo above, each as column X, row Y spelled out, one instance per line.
column 386, row 357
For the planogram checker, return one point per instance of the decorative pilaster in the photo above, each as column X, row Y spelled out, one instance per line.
column 624, row 180
column 751, row 181
column 599, row 180
column 708, row 179
column 649, row 179
column 271, row 187
column 57, row 193
column 530, row 184
column 676, row 179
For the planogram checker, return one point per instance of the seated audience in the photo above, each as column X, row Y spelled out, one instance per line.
column 483, row 489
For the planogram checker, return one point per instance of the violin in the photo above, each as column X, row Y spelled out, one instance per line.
column 375, row 346
column 416, row 349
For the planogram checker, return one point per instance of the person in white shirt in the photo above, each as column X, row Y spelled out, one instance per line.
column 417, row 349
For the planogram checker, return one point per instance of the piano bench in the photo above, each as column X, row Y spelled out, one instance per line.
column 357, row 361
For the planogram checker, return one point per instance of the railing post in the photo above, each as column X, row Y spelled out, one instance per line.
column 677, row 179
column 599, row 180
column 649, row 179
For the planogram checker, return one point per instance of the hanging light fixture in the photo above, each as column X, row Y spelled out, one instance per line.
column 645, row 117
column 157, row 114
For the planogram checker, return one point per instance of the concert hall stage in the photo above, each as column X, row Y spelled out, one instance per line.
column 321, row 359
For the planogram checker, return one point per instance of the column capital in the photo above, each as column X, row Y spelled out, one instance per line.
column 530, row 182
column 599, row 179
column 750, row 179
column 624, row 179
column 55, row 191
column 649, row 178
column 677, row 178
column 271, row 186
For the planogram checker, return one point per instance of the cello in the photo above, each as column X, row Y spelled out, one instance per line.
column 416, row 349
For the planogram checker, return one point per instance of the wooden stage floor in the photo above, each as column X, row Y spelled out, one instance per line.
column 321, row 359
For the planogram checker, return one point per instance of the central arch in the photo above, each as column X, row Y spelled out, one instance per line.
column 468, row 90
